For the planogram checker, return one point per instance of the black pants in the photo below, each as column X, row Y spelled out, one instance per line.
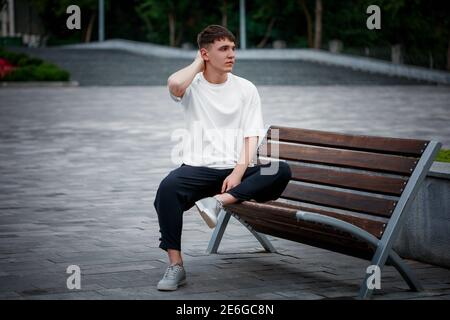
column 179, row 191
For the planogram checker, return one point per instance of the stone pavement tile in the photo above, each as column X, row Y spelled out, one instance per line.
column 9, row 295
column 105, row 281
column 428, row 285
column 269, row 296
column 401, row 295
column 51, row 288
column 433, row 298
column 88, row 295
column 237, row 283
column 339, row 295
column 119, row 267
column 255, row 292
column 144, row 292
column 238, row 293
column 118, row 279
column 30, row 265
column 299, row 294
column 443, row 275
column 192, row 296
column 14, row 283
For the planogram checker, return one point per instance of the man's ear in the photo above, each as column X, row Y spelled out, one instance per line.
column 204, row 54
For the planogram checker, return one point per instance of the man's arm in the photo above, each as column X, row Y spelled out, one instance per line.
column 180, row 80
column 247, row 153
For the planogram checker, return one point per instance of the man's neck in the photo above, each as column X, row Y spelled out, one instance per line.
column 214, row 77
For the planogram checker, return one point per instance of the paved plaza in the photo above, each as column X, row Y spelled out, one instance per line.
column 80, row 167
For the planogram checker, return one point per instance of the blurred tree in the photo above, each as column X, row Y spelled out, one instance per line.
column 169, row 16
column 266, row 14
column 122, row 21
column 318, row 24
column 224, row 14
column 305, row 10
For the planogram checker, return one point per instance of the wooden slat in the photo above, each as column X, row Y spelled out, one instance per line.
column 321, row 237
column 340, row 200
column 302, row 226
column 330, row 241
column 373, row 225
column 343, row 158
column 351, row 180
column 286, row 213
column 348, row 141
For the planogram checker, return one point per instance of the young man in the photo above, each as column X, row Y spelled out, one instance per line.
column 224, row 127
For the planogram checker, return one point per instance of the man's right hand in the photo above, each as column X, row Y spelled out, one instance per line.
column 180, row 80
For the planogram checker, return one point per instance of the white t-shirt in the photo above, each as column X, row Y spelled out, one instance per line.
column 218, row 117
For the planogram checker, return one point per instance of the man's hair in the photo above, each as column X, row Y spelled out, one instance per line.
column 212, row 33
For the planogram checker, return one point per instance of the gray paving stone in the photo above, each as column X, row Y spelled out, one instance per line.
column 301, row 295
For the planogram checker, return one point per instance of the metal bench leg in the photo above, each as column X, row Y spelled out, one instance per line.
column 405, row 271
column 259, row 236
column 217, row 235
column 218, row 232
column 402, row 268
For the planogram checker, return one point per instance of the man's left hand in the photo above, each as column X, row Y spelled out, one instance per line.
column 230, row 182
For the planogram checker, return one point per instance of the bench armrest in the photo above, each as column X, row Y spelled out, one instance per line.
column 338, row 224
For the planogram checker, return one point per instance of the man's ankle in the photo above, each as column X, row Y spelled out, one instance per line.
column 220, row 201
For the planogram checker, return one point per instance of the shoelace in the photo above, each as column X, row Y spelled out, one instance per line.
column 172, row 271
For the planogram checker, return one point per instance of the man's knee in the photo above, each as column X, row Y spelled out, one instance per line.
column 167, row 186
column 284, row 171
column 168, row 183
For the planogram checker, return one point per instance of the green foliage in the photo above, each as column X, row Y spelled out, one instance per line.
column 420, row 26
column 42, row 72
column 188, row 17
column 443, row 155
column 32, row 69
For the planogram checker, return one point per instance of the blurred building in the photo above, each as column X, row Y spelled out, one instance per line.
column 21, row 24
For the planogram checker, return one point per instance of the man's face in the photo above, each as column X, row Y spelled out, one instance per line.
column 220, row 55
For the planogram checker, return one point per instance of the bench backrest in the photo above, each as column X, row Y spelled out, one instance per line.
column 358, row 179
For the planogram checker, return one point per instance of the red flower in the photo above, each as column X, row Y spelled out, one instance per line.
column 5, row 67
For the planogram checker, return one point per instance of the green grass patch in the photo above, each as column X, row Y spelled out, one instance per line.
column 32, row 69
column 443, row 155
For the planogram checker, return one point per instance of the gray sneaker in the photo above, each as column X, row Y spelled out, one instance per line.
column 209, row 209
column 175, row 276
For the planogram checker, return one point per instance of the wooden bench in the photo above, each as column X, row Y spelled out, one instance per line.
column 348, row 194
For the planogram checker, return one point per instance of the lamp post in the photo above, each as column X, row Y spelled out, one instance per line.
column 243, row 34
column 12, row 31
column 101, row 20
